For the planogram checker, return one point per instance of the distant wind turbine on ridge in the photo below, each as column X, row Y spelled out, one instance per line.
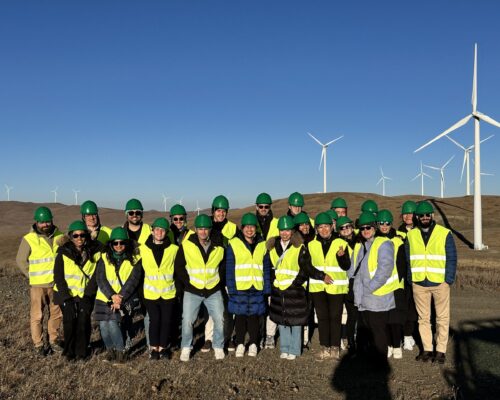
column 441, row 171
column 8, row 189
column 323, row 156
column 165, row 198
column 421, row 175
column 55, row 194
column 198, row 209
column 76, row 196
column 383, row 179
column 478, row 116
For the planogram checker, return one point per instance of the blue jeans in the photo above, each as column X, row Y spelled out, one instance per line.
column 112, row 335
column 290, row 339
column 191, row 307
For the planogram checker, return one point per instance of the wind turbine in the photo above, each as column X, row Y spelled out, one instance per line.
column 180, row 200
column 165, row 198
column 478, row 116
column 422, row 174
column 198, row 209
column 76, row 196
column 323, row 156
column 467, row 151
column 8, row 189
column 55, row 194
column 441, row 170
column 382, row 179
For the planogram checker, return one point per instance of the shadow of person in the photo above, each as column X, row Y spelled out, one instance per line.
column 362, row 377
column 446, row 223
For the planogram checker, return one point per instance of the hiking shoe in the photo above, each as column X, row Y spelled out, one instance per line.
column 408, row 343
column 284, row 355
column 154, row 355
column 164, row 354
column 219, row 354
column 40, row 351
column 57, row 346
column 206, row 347
column 185, row 353
column 335, row 353
column 252, row 350
column 424, row 356
column 440, row 358
column 240, row 350
column 389, row 351
column 291, row 357
column 231, row 346
column 269, row 343
column 397, row 353
column 323, row 354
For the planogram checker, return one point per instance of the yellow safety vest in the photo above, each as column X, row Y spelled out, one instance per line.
column 170, row 235
column 228, row 232
column 125, row 270
column 402, row 234
column 273, row 229
column 145, row 232
column 248, row 268
column 428, row 262
column 288, row 268
column 392, row 282
column 104, row 234
column 202, row 275
column 159, row 279
column 77, row 279
column 328, row 265
column 41, row 258
column 398, row 242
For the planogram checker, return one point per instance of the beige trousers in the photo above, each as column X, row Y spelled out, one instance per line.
column 441, row 295
column 41, row 298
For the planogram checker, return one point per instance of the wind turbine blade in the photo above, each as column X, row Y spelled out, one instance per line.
column 431, row 167
column 486, row 174
column 447, row 162
column 334, row 140
column 418, row 176
column 428, row 176
column 389, row 179
column 474, row 81
column 380, row 180
column 460, row 123
column 458, row 144
column 463, row 166
column 487, row 119
column 317, row 141
column 484, row 140
column 322, row 157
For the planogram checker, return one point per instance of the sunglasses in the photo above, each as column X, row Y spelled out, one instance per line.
column 365, row 227
column 385, row 223
column 119, row 243
column 178, row 218
column 264, row 206
column 428, row 215
column 132, row 213
column 79, row 235
column 343, row 228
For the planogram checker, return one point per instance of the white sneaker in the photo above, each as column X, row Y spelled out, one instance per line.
column 240, row 350
column 269, row 343
column 219, row 354
column 397, row 353
column 408, row 343
column 252, row 350
column 291, row 357
column 284, row 355
column 389, row 351
column 343, row 344
column 185, row 353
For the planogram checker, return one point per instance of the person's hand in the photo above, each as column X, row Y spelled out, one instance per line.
column 328, row 279
column 117, row 299
column 341, row 251
column 115, row 307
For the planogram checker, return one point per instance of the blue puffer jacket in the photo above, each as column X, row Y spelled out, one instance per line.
column 251, row 301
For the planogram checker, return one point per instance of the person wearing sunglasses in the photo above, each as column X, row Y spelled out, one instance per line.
column 137, row 230
column 375, row 279
column 75, row 287
column 268, row 224
column 178, row 231
column 35, row 258
column 397, row 316
column 90, row 215
column 118, row 273
column 431, row 255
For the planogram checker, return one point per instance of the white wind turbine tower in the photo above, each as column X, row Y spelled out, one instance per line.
column 55, row 194
column 180, row 200
column 441, row 171
column 467, row 151
column 478, row 116
column 8, row 189
column 165, row 198
column 76, row 196
column 323, row 156
column 198, row 209
column 383, row 179
column 421, row 175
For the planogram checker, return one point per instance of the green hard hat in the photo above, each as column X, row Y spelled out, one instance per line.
column 296, row 199
column 333, row 214
column 408, row 207
column 301, row 218
column 220, row 201
column 263, row 198
column 43, row 214
column 77, row 225
column 366, row 218
column 118, row 233
column 285, row 223
column 133, row 204
column 89, row 208
column 177, row 209
column 384, row 216
column 323, row 218
column 344, row 220
column 249, row 219
column 424, row 207
column 370, row 206
column 339, row 202
column 203, row 221
column 160, row 223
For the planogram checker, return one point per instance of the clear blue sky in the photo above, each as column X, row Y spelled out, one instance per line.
column 125, row 99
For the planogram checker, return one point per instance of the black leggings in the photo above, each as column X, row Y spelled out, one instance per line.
column 160, row 316
column 329, row 311
column 394, row 333
column 77, row 330
column 375, row 324
column 244, row 323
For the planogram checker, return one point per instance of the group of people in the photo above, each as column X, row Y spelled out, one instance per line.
column 265, row 278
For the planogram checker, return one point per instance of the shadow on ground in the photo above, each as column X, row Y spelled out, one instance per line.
column 446, row 222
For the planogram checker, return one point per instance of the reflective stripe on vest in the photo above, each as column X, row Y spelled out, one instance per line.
column 158, row 280
column 41, row 258
column 202, row 275
column 248, row 268
column 328, row 265
column 428, row 262
column 288, row 268
column 109, row 269
column 77, row 280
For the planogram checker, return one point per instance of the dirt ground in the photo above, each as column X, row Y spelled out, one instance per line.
column 472, row 369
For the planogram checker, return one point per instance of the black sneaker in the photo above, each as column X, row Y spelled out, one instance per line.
column 164, row 354
column 424, row 356
column 207, row 346
column 57, row 346
column 40, row 351
column 439, row 358
column 154, row 355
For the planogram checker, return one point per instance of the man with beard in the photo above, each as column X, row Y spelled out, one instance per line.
column 35, row 258
column 137, row 230
column 90, row 215
column 432, row 260
column 268, row 224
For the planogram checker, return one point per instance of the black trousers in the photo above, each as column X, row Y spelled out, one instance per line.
column 160, row 321
column 77, row 330
column 329, row 311
column 352, row 321
column 374, row 325
column 244, row 324
column 394, row 334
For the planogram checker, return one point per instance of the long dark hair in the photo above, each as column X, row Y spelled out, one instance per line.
column 131, row 250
